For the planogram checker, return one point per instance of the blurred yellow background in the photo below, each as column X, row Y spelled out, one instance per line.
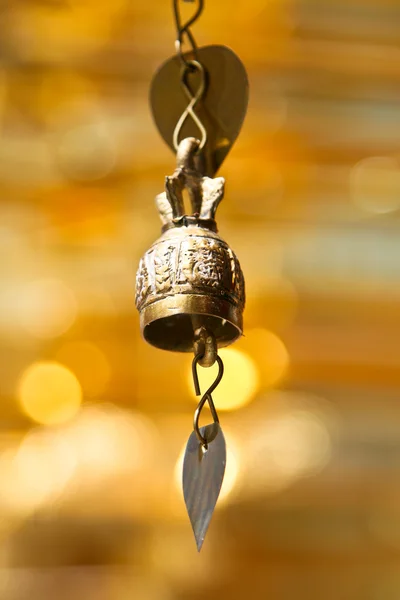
column 93, row 420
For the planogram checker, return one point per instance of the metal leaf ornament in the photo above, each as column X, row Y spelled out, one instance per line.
column 203, row 473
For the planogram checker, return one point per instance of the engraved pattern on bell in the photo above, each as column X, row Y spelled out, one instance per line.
column 189, row 277
column 189, row 260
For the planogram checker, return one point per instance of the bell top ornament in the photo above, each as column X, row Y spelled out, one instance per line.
column 190, row 277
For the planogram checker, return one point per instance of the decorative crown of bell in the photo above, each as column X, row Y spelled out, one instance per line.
column 189, row 278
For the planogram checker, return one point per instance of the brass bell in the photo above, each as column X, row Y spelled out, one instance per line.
column 190, row 278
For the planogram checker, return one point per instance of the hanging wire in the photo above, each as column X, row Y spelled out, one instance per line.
column 189, row 65
column 184, row 29
column 193, row 100
column 207, row 396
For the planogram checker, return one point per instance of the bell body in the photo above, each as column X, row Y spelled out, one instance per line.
column 189, row 278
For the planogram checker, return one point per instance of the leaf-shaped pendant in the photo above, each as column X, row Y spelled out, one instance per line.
column 222, row 110
column 203, row 473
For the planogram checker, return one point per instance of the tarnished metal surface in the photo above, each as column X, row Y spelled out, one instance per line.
column 190, row 277
column 205, row 345
column 203, row 473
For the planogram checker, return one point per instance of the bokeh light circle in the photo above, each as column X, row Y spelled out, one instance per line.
column 375, row 184
column 270, row 353
column 47, row 308
column 49, row 393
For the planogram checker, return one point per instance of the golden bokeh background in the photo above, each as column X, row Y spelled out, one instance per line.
column 93, row 420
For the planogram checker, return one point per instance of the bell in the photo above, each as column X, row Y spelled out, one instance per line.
column 190, row 279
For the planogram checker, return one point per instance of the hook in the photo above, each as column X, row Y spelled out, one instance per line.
column 193, row 100
column 207, row 396
column 205, row 344
column 189, row 65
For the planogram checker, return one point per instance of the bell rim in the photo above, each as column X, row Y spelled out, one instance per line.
column 196, row 306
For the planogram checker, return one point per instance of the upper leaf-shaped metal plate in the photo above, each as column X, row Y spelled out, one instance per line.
column 222, row 109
